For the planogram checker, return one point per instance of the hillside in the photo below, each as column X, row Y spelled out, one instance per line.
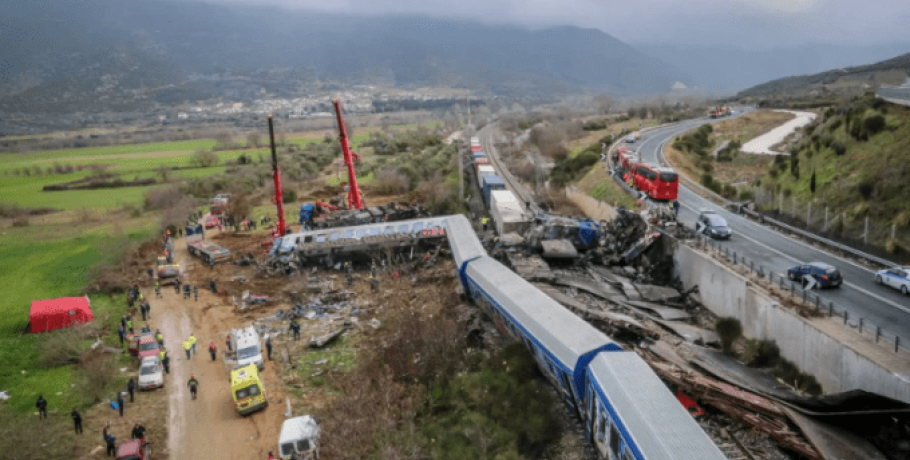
column 98, row 55
column 860, row 156
column 838, row 81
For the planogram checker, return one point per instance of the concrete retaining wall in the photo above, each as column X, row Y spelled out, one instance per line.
column 836, row 364
column 597, row 210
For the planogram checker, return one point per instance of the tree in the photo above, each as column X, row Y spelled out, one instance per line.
column 253, row 140
column 729, row 329
column 812, row 183
column 603, row 104
column 205, row 159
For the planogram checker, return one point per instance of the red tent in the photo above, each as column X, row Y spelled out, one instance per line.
column 50, row 314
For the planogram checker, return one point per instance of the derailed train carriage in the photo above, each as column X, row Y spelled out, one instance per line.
column 628, row 412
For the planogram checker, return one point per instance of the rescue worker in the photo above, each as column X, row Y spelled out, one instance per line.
column 159, row 337
column 157, row 290
column 213, row 350
column 193, row 384
column 347, row 267
column 177, row 286
column 186, row 291
column 227, row 342
column 77, row 419
column 165, row 360
column 123, row 322
column 295, row 328
column 268, row 347
column 195, row 293
column 350, row 279
column 213, row 287
column 131, row 387
column 485, row 221
column 142, row 311
column 146, row 328
column 148, row 310
column 271, row 456
column 187, row 346
column 109, row 440
column 122, row 334
column 374, row 283
column 138, row 432
column 120, row 402
column 42, row 407
column 676, row 207
column 192, row 341
column 129, row 325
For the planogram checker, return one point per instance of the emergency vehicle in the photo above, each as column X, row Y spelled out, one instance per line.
column 247, row 389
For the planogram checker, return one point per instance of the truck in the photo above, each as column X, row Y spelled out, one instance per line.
column 247, row 349
column 165, row 272
column 247, row 389
column 210, row 252
column 299, row 436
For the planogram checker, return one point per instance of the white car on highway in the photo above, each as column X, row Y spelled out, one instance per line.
column 898, row 278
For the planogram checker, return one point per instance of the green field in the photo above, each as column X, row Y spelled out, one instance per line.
column 40, row 268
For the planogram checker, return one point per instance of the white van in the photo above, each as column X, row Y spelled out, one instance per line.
column 299, row 435
column 247, row 349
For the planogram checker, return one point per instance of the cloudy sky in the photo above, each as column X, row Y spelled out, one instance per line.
column 743, row 23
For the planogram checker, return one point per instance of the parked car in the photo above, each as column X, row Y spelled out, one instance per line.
column 825, row 275
column 211, row 221
column 898, row 278
column 134, row 449
column 150, row 374
column 714, row 225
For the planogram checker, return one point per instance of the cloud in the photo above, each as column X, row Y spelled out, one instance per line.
column 756, row 23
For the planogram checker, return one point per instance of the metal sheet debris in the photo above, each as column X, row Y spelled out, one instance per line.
column 690, row 333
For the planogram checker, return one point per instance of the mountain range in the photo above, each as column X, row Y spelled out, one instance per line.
column 110, row 55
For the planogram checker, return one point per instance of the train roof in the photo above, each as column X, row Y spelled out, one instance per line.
column 462, row 240
column 564, row 334
column 656, row 422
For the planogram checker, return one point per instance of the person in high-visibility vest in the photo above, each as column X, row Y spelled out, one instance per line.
column 192, row 341
column 187, row 346
column 484, row 221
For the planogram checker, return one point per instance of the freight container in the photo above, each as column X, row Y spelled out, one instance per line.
column 479, row 154
column 483, row 170
column 507, row 213
column 490, row 183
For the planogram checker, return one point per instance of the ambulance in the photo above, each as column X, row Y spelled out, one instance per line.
column 247, row 389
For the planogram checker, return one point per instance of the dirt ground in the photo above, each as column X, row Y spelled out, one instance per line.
column 210, row 427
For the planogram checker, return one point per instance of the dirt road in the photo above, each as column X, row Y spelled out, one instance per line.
column 209, row 427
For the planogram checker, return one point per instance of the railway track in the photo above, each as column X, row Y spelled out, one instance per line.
column 528, row 202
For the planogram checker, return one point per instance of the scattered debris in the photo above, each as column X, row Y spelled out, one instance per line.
column 322, row 340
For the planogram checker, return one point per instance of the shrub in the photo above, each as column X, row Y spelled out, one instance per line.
column 161, row 198
column 595, row 125
column 866, row 189
column 707, row 180
column 289, row 195
column 205, row 159
column 839, row 149
column 96, row 377
column 745, row 195
column 706, row 166
column 761, row 353
column 794, row 166
column 729, row 329
column 729, row 191
column 390, row 181
column 837, row 123
column 874, row 123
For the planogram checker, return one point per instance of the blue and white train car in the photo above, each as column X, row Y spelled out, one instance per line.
column 562, row 343
column 631, row 415
column 464, row 244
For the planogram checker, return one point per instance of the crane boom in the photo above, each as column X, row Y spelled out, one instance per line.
column 276, row 177
column 354, row 201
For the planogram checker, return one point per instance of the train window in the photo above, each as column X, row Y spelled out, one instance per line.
column 308, row 239
column 601, row 425
column 567, row 382
column 373, row 231
column 418, row 227
column 348, row 234
column 320, row 238
column 389, row 230
column 627, row 454
column 360, row 234
column 334, row 237
column 403, row 228
column 614, row 440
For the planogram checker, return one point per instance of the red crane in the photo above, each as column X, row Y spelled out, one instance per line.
column 354, row 199
column 276, row 177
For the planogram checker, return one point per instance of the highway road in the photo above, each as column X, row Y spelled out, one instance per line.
column 860, row 295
